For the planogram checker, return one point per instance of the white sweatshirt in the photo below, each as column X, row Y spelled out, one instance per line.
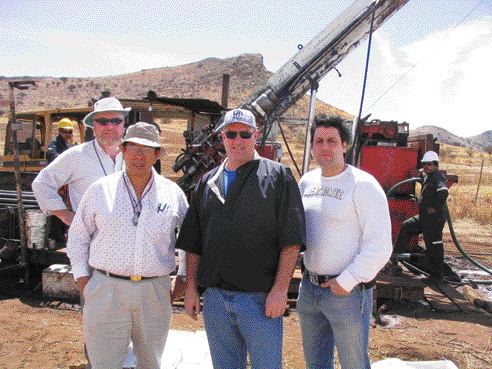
column 348, row 225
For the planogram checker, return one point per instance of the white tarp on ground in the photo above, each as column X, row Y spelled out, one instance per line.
column 184, row 350
column 400, row 364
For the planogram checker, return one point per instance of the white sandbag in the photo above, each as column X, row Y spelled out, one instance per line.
column 393, row 363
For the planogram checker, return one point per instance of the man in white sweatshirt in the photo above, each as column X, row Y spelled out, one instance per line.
column 348, row 241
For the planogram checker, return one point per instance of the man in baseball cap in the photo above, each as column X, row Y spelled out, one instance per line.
column 246, row 287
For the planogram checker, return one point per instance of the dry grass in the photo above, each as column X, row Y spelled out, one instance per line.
column 466, row 165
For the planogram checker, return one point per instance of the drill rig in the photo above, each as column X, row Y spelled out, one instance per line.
column 291, row 82
column 382, row 148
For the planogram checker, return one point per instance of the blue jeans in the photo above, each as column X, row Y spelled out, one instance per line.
column 236, row 324
column 328, row 320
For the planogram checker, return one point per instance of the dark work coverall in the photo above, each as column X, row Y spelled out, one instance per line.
column 55, row 148
column 430, row 221
column 58, row 228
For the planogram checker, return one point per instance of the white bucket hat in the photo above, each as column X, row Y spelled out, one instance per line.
column 103, row 105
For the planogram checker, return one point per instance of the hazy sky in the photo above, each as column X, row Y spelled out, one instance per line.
column 437, row 54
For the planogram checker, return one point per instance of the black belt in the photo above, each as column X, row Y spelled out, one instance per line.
column 317, row 279
column 134, row 278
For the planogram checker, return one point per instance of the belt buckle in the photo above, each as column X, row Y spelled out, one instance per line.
column 313, row 279
column 136, row 278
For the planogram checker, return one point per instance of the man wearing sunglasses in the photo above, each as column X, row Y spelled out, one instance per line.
column 431, row 218
column 81, row 165
column 242, row 233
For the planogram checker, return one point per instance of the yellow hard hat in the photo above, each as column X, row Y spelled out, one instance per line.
column 65, row 123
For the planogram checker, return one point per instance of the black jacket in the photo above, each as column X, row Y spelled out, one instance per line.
column 433, row 194
column 239, row 237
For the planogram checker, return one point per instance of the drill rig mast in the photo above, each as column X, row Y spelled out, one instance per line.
column 308, row 66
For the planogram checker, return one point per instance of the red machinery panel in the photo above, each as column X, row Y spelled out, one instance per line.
column 390, row 165
column 378, row 130
column 271, row 150
column 400, row 210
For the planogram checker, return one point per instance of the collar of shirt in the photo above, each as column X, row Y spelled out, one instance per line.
column 147, row 186
column 212, row 182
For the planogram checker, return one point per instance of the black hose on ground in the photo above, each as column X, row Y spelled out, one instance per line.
column 450, row 225
column 458, row 245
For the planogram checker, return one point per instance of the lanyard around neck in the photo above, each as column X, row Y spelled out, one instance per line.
column 99, row 158
column 136, row 204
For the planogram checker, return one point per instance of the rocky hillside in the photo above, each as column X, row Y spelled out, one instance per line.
column 202, row 79
column 482, row 142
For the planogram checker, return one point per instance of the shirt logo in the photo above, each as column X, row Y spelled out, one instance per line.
column 333, row 192
column 161, row 207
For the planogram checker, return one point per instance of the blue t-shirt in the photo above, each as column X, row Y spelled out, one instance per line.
column 229, row 177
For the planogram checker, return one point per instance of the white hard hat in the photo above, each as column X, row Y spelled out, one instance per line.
column 430, row 156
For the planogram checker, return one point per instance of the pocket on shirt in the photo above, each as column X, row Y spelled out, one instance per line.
column 163, row 228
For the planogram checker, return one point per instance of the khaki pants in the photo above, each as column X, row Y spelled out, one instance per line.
column 118, row 310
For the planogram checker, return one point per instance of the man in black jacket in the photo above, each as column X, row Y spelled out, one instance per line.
column 242, row 233
column 431, row 218
column 61, row 142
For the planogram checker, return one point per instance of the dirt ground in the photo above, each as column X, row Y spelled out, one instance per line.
column 45, row 334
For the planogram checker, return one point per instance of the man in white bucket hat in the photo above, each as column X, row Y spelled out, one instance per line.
column 84, row 164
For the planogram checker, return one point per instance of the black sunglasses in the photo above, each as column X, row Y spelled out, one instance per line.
column 231, row 135
column 105, row 122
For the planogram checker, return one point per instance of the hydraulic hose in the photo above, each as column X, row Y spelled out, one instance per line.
column 458, row 245
column 450, row 225
column 404, row 182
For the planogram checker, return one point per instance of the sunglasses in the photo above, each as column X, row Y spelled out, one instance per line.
column 66, row 131
column 105, row 122
column 231, row 135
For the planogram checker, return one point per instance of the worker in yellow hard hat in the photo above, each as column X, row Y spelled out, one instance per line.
column 61, row 142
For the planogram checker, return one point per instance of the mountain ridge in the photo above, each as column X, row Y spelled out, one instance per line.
column 200, row 79
column 482, row 142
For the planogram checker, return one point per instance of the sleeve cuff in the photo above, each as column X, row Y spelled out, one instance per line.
column 80, row 271
column 347, row 281
column 182, row 263
column 51, row 205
